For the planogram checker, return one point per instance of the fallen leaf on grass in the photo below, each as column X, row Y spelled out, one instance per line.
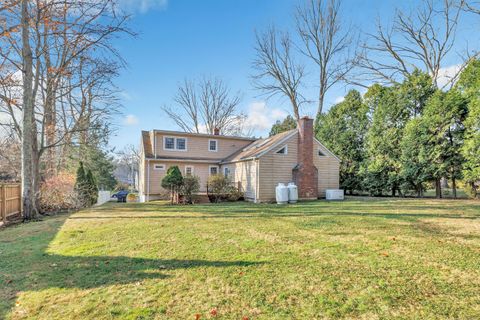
column 214, row 312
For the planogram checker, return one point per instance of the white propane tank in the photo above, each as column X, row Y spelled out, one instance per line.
column 281, row 192
column 292, row 193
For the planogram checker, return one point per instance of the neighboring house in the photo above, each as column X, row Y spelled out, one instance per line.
column 256, row 166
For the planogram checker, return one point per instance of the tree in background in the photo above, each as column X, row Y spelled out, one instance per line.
column 469, row 86
column 343, row 131
column 422, row 39
column 281, row 126
column 392, row 108
column 81, row 186
column 415, row 158
column 277, row 73
column 382, row 166
column 205, row 105
column 326, row 41
column 92, row 188
column 173, row 181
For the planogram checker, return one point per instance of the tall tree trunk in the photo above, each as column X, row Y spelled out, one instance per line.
column 438, row 188
column 454, row 187
column 29, row 130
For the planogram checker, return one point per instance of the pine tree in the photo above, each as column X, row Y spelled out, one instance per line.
column 348, row 122
column 81, row 186
column 92, row 188
column 172, row 181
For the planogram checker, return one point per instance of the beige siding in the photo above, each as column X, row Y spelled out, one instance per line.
column 198, row 146
column 199, row 169
column 276, row 168
column 328, row 169
column 244, row 173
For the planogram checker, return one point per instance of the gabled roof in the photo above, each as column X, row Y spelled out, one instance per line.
column 206, row 135
column 260, row 147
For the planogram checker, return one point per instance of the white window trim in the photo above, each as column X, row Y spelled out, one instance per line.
column 159, row 164
column 286, row 150
column 192, row 167
column 175, row 143
column 216, row 145
column 225, row 169
column 210, row 170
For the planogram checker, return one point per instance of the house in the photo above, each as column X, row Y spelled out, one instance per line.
column 256, row 166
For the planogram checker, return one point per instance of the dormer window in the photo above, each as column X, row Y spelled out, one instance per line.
column 174, row 144
column 283, row 150
column 213, row 145
column 170, row 143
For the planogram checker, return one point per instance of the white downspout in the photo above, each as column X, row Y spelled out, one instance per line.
column 257, row 182
column 148, row 180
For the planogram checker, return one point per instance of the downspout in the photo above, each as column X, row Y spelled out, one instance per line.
column 257, row 182
column 148, row 180
column 154, row 144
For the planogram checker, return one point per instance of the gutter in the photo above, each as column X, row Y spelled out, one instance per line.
column 185, row 160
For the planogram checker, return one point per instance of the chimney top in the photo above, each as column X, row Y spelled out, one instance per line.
column 216, row 131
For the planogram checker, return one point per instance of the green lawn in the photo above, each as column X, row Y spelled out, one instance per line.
column 361, row 259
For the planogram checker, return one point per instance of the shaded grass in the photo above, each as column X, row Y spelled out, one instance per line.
column 362, row 258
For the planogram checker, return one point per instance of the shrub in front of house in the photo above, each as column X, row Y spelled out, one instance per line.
column 220, row 189
column 190, row 186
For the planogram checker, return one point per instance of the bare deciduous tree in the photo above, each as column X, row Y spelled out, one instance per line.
column 46, row 41
column 277, row 72
column 205, row 105
column 422, row 39
column 326, row 41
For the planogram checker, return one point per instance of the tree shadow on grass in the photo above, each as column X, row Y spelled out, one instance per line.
column 25, row 265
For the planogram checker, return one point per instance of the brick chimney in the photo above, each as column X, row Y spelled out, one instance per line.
column 305, row 174
column 216, row 131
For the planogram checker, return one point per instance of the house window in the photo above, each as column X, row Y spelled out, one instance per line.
column 226, row 172
column 160, row 167
column 212, row 145
column 283, row 150
column 320, row 153
column 213, row 170
column 188, row 170
column 181, row 144
column 172, row 143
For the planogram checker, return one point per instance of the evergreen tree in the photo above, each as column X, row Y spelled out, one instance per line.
column 92, row 188
column 348, row 123
column 444, row 116
column 81, row 186
column 415, row 158
column 469, row 85
column 392, row 108
column 288, row 123
column 172, row 181
column 382, row 166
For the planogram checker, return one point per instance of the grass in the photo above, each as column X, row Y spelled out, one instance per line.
column 362, row 259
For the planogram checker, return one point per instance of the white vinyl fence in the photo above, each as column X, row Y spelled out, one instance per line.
column 103, row 196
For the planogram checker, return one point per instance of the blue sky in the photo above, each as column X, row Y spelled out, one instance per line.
column 181, row 39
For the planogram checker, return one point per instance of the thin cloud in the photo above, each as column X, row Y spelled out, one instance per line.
column 130, row 120
column 143, row 6
column 261, row 118
column 447, row 75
